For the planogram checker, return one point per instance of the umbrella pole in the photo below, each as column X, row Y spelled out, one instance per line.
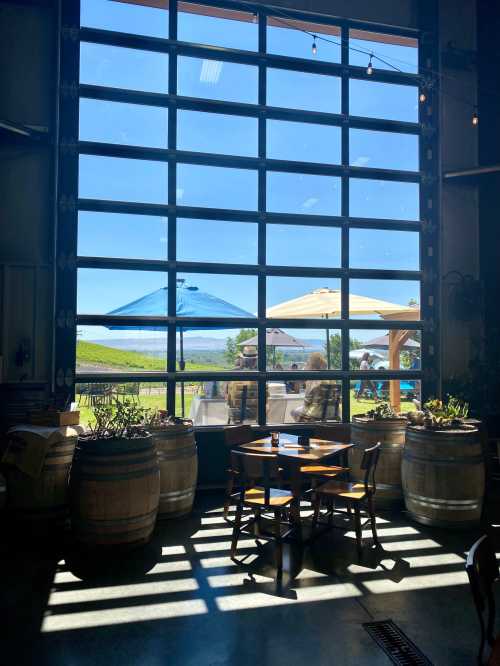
column 182, row 365
column 327, row 345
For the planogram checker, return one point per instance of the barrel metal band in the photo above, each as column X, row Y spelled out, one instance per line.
column 449, row 505
column 177, row 455
column 178, row 494
column 116, row 521
column 463, row 460
column 116, row 461
column 117, row 477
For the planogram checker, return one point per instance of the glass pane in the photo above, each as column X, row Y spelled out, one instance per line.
column 302, row 193
column 319, row 400
column 216, row 187
column 383, row 100
column 217, row 133
column 217, row 403
column 311, row 298
column 217, row 295
column 125, row 17
column 215, row 79
column 305, row 349
column 302, row 90
column 100, row 349
column 129, row 124
column 120, row 179
column 380, row 248
column 383, row 150
column 385, row 299
column 294, row 245
column 122, row 235
column 105, row 290
column 384, row 199
column 118, row 67
column 203, row 24
column 303, row 142
column 217, row 349
column 403, row 395
column 236, row 241
column 149, row 395
column 385, row 350
column 286, row 37
column 402, row 52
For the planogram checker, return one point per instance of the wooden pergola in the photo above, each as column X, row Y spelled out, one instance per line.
column 397, row 339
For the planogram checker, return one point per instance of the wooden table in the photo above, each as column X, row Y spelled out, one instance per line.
column 295, row 455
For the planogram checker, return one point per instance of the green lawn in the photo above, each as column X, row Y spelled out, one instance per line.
column 109, row 358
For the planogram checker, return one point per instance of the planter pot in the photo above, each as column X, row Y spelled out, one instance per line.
column 114, row 489
column 443, row 476
column 366, row 432
column 178, row 461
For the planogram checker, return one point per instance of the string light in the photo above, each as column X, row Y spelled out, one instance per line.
column 369, row 69
column 254, row 17
column 422, row 97
column 475, row 117
column 314, row 47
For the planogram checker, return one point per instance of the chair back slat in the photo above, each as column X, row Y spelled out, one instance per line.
column 369, row 465
column 482, row 570
column 256, row 468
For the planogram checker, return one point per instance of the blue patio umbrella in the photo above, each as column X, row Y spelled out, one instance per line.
column 190, row 302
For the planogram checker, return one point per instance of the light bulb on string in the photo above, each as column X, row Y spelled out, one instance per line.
column 475, row 117
column 254, row 17
column 314, row 47
column 422, row 97
column 369, row 69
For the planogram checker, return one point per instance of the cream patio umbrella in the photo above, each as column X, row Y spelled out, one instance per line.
column 326, row 303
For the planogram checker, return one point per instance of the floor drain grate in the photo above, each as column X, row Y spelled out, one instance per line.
column 396, row 645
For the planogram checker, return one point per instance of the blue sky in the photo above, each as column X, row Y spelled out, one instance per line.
column 145, row 237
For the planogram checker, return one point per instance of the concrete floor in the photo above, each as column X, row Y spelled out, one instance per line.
column 181, row 600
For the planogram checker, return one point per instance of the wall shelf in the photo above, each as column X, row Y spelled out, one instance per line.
column 472, row 173
column 19, row 133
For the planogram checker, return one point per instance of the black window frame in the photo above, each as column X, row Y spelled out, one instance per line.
column 68, row 204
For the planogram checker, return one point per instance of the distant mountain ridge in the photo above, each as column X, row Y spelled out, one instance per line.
column 158, row 346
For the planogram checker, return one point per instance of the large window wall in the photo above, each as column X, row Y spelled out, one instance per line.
column 229, row 182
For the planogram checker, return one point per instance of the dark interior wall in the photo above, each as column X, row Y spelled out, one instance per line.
column 489, row 154
column 27, row 95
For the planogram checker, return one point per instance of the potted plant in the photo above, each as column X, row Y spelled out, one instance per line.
column 178, row 460
column 115, row 478
column 443, row 468
column 380, row 424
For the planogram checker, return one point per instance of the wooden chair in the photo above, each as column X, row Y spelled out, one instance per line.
column 233, row 437
column 357, row 496
column 333, row 433
column 262, row 499
column 482, row 570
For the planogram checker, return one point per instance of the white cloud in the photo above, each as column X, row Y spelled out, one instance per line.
column 310, row 202
column 362, row 160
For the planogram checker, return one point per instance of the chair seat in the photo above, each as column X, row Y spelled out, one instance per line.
column 351, row 491
column 256, row 496
column 328, row 471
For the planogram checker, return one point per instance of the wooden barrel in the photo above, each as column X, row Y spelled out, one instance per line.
column 178, row 459
column 390, row 433
column 443, row 476
column 44, row 498
column 115, row 488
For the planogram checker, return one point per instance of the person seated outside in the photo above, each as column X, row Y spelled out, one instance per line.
column 366, row 383
column 293, row 385
column 322, row 396
column 241, row 396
